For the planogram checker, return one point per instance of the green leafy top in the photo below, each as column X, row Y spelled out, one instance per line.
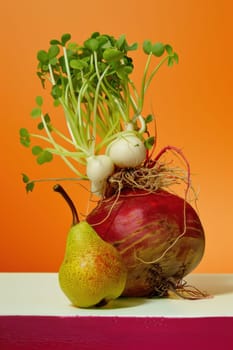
column 91, row 82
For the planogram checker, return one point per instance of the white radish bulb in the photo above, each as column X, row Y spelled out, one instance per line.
column 127, row 151
column 99, row 167
column 97, row 187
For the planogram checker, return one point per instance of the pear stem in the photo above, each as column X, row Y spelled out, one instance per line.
column 58, row 188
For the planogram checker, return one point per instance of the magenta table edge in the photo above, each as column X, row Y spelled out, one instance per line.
column 82, row 332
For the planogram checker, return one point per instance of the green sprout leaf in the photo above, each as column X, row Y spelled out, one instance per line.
column 72, row 46
column 92, row 44
column 112, row 54
column 25, row 178
column 47, row 121
column 36, row 150
column 149, row 118
column 56, row 92
column 122, row 44
column 169, row 49
column 124, row 71
column 158, row 49
column 53, row 61
column 23, row 132
column 30, row 186
column 65, row 38
column 78, row 64
column 43, row 57
column 147, row 47
column 56, row 103
column 42, row 79
column 53, row 51
column 36, row 112
column 149, row 142
column 95, row 35
column 173, row 58
column 121, row 41
column 24, row 137
column 40, row 126
column 170, row 61
column 44, row 157
column 48, row 157
column 45, row 67
column 55, row 42
column 47, row 118
column 104, row 42
column 39, row 101
column 132, row 47
column 176, row 57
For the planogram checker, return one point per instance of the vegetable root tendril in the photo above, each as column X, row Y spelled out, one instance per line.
column 163, row 287
column 151, row 176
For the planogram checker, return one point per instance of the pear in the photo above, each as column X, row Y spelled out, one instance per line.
column 92, row 272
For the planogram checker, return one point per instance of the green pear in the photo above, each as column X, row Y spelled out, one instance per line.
column 92, row 272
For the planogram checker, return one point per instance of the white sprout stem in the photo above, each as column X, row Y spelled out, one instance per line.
column 79, row 109
column 96, row 105
column 44, row 138
column 84, row 136
column 135, row 91
column 127, row 99
column 70, row 154
column 69, row 118
column 71, row 134
column 143, row 125
column 58, row 179
column 154, row 72
column 71, row 127
column 117, row 101
column 68, row 74
column 80, row 147
column 68, row 124
column 96, row 64
column 70, row 165
column 124, row 116
column 133, row 104
column 104, row 126
column 61, row 100
column 51, row 75
column 134, row 98
column 142, row 94
column 62, row 136
column 111, row 98
column 109, row 136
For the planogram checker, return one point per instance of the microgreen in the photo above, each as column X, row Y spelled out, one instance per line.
column 29, row 185
column 24, row 137
column 149, row 142
column 92, row 83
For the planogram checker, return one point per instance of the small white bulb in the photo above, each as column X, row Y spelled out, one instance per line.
column 99, row 167
column 127, row 151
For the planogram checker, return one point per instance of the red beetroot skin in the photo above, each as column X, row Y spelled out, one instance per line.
column 142, row 226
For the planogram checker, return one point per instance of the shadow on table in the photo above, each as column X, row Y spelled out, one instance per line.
column 124, row 303
column 120, row 303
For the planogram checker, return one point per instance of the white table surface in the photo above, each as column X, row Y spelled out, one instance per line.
column 38, row 294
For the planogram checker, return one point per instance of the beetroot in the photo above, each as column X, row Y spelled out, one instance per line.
column 159, row 235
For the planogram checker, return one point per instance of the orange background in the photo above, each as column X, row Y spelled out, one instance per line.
column 192, row 101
